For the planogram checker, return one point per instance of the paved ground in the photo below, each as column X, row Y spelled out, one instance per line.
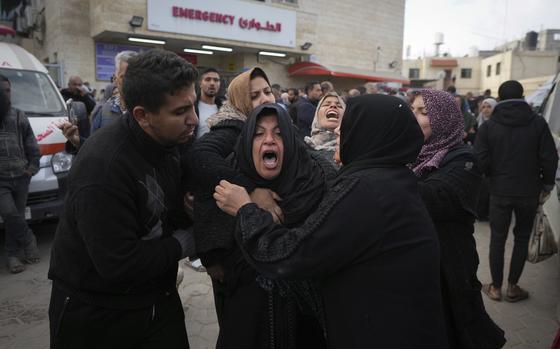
column 24, row 301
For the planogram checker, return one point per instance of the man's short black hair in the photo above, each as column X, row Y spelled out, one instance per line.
column 294, row 90
column 4, row 78
column 209, row 70
column 451, row 89
column 510, row 89
column 153, row 74
column 310, row 85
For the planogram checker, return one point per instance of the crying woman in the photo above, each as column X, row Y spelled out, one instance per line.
column 254, row 310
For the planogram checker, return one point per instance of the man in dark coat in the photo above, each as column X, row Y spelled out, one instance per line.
column 306, row 106
column 116, row 248
column 516, row 151
column 77, row 134
column 77, row 92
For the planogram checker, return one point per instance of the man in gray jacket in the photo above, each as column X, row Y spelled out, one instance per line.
column 19, row 161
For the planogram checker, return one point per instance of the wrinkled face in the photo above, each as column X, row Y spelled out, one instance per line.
column 486, row 110
column 268, row 147
column 175, row 121
column 75, row 85
column 421, row 113
column 330, row 113
column 210, row 84
column 315, row 93
column 261, row 92
column 119, row 73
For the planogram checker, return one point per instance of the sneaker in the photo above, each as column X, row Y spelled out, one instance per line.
column 492, row 292
column 515, row 294
column 15, row 265
column 31, row 251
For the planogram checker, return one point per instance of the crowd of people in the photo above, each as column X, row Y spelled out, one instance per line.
column 324, row 220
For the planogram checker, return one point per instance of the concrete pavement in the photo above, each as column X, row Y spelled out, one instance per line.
column 24, row 302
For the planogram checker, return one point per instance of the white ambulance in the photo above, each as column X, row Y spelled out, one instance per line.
column 34, row 92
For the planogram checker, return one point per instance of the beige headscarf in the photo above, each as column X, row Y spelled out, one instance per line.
column 239, row 89
column 238, row 105
column 321, row 138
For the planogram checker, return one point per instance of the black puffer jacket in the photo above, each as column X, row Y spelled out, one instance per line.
column 450, row 194
column 516, row 151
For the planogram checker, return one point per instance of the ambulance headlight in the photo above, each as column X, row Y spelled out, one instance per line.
column 61, row 162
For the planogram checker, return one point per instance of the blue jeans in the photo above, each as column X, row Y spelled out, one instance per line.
column 13, row 197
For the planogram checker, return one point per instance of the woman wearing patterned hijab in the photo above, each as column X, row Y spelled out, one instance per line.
column 448, row 183
column 327, row 118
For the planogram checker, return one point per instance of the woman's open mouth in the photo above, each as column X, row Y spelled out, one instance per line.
column 270, row 159
column 332, row 114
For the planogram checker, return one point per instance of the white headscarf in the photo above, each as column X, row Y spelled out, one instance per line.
column 322, row 138
column 491, row 102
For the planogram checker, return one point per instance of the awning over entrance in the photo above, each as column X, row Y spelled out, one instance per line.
column 315, row 69
column 5, row 30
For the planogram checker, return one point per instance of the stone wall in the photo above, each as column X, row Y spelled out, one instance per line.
column 345, row 33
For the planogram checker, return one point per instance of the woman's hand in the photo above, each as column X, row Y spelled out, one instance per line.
column 267, row 200
column 230, row 197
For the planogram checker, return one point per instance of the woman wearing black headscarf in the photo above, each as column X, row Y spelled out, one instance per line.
column 370, row 241
column 271, row 156
column 253, row 311
column 448, row 181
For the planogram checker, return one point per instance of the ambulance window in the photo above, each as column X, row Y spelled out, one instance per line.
column 33, row 92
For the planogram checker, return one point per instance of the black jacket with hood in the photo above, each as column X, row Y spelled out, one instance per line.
column 516, row 151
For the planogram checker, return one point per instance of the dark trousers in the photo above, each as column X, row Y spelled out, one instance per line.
column 75, row 324
column 13, row 197
column 501, row 207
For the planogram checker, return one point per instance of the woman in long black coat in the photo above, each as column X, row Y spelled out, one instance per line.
column 253, row 314
column 370, row 242
column 449, row 181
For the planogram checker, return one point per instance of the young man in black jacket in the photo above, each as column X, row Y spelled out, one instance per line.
column 516, row 151
column 115, row 253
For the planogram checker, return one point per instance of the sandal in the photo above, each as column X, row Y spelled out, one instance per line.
column 15, row 265
column 492, row 292
column 31, row 251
